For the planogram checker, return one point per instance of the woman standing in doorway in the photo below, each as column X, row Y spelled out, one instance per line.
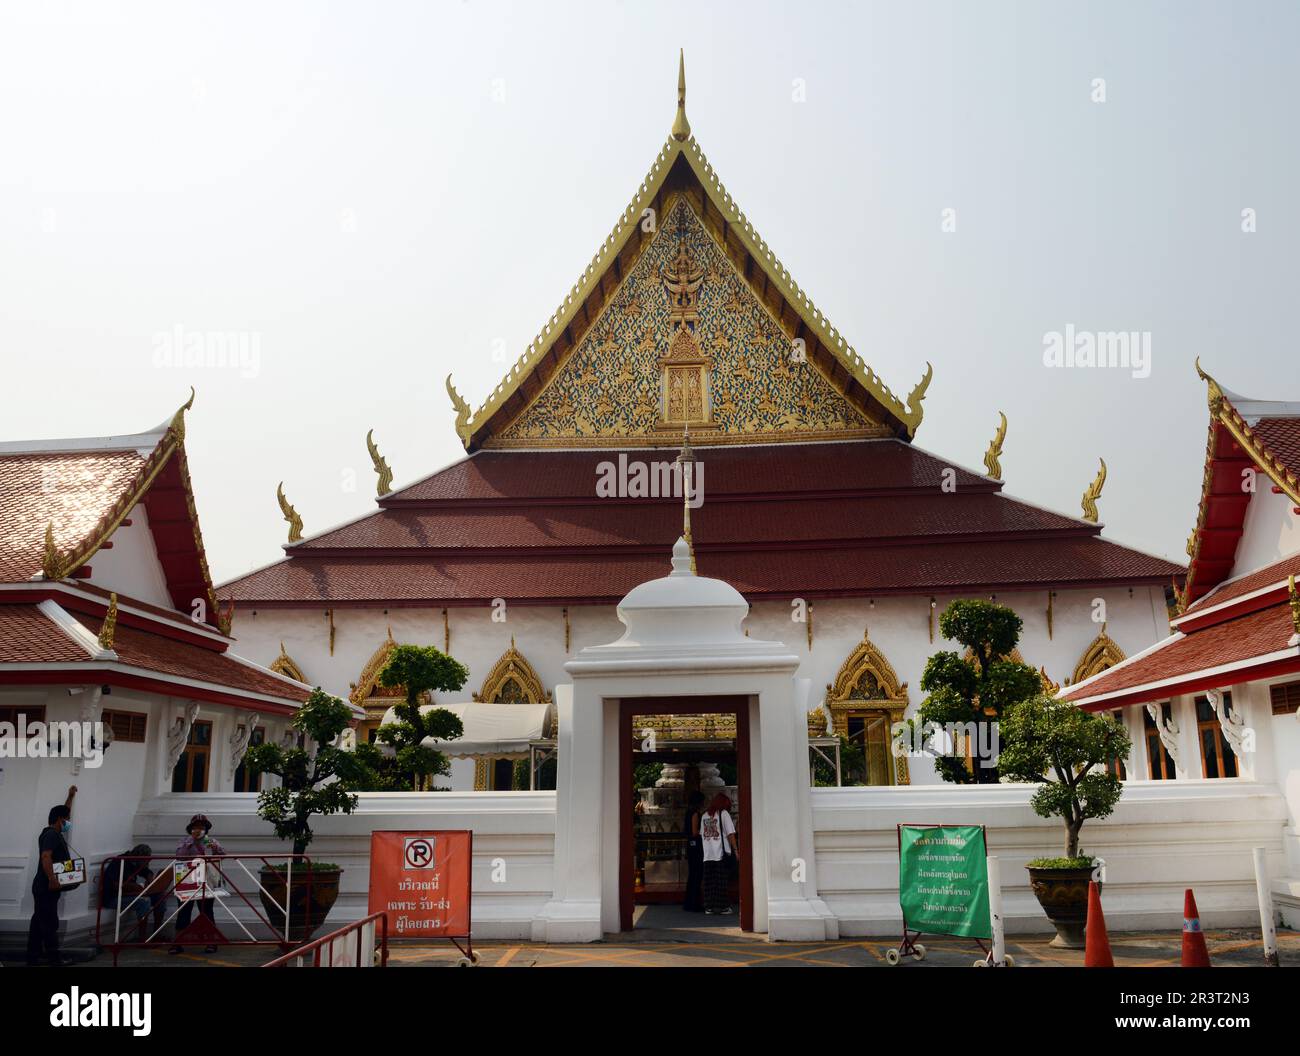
column 718, row 843
column 694, row 854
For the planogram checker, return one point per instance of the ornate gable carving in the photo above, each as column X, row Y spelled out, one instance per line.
column 284, row 664
column 512, row 680
column 682, row 341
column 1102, row 653
column 368, row 692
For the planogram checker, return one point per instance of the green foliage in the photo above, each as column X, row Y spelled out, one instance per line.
column 853, row 765
column 1084, row 861
column 422, row 670
column 318, row 782
column 644, row 775
column 974, row 691
column 1064, row 750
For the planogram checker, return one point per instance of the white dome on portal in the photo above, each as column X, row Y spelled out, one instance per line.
column 682, row 607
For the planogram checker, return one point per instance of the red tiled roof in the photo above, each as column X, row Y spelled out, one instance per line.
column 85, row 488
column 73, row 489
column 1264, row 577
column 1255, row 634
column 843, row 519
column 153, row 652
column 1281, row 435
column 28, row 636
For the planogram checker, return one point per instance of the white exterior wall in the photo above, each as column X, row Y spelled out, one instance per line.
column 108, row 796
column 898, row 627
column 1270, row 531
column 130, row 566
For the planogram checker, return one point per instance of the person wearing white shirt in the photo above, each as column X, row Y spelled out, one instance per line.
column 718, row 842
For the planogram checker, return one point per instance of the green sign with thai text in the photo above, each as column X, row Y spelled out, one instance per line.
column 943, row 881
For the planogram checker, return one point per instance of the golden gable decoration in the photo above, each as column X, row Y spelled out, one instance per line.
column 867, row 688
column 512, row 680
column 285, row 665
column 608, row 309
column 1101, row 655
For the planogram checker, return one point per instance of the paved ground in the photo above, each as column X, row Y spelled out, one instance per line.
column 717, row 942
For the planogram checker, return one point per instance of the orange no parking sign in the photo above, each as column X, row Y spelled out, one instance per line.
column 421, row 881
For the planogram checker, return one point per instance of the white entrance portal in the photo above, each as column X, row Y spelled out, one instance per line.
column 683, row 640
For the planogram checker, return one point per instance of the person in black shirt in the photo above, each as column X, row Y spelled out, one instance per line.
column 52, row 846
column 141, row 888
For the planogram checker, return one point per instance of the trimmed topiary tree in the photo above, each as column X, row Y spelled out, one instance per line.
column 422, row 670
column 973, row 690
column 315, row 780
column 1065, row 751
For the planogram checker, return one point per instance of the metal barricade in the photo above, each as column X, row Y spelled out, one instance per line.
column 194, row 882
column 363, row 944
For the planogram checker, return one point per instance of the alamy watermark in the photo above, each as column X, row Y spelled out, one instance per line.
column 53, row 740
column 1115, row 349
column 210, row 349
column 635, row 479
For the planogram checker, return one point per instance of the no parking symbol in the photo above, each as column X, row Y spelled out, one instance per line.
column 417, row 852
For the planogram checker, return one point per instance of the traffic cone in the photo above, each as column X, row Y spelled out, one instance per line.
column 1096, row 952
column 1195, row 954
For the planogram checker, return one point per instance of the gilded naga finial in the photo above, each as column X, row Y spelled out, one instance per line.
column 1294, row 599
column 681, row 127
column 385, row 483
column 1093, row 493
column 993, row 455
column 178, row 419
column 226, row 618
column 915, row 412
column 290, row 514
column 1214, row 394
column 462, row 410
column 109, row 629
column 54, row 564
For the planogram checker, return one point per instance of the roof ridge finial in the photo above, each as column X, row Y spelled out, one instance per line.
column 681, row 127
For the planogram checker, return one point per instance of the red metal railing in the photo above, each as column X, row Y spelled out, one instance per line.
column 353, row 946
column 216, row 888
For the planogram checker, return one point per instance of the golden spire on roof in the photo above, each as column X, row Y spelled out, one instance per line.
column 109, row 629
column 385, row 483
column 1214, row 394
column 290, row 514
column 687, row 459
column 681, row 127
column 1093, row 493
column 178, row 419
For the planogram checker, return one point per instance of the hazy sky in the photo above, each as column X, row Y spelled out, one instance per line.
column 377, row 194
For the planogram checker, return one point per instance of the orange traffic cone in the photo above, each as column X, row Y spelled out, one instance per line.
column 1195, row 954
column 1096, row 952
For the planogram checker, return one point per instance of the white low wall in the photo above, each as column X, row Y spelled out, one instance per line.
column 516, row 829
column 1164, row 837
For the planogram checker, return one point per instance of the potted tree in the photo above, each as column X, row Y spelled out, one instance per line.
column 313, row 780
column 1065, row 751
column 411, row 764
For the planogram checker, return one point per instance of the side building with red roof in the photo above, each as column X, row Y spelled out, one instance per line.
column 117, row 673
column 1219, row 698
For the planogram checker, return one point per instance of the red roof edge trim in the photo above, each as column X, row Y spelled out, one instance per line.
column 1242, row 606
column 65, row 675
column 1195, row 683
column 63, row 594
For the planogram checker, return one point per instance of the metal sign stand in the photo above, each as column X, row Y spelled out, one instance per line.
column 909, row 947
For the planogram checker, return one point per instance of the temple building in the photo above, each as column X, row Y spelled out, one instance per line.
column 108, row 616
column 811, row 498
column 1220, row 696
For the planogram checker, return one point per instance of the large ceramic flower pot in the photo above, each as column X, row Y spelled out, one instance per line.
column 312, row 895
column 1063, row 894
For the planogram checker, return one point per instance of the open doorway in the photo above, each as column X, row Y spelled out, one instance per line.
column 670, row 748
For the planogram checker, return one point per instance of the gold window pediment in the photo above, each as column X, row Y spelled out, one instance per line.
column 867, row 687
column 512, row 680
column 285, row 665
column 1101, row 654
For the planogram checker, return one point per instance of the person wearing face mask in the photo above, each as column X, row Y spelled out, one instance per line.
column 52, row 846
column 197, row 844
